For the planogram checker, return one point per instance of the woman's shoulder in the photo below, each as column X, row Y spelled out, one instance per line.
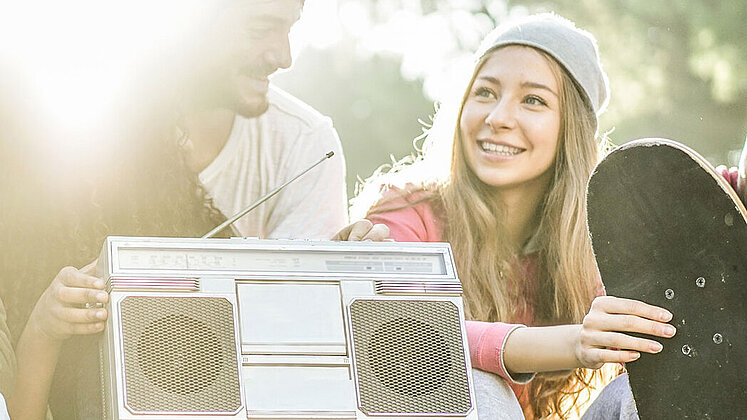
column 412, row 213
column 407, row 196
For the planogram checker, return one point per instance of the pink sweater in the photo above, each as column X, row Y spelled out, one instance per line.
column 419, row 223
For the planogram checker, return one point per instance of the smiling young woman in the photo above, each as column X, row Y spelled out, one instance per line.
column 510, row 120
column 510, row 198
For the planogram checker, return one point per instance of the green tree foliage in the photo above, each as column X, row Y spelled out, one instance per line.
column 677, row 70
column 376, row 112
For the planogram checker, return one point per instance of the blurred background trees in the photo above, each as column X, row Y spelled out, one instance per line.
column 677, row 69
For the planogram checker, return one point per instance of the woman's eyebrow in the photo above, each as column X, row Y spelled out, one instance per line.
column 535, row 85
column 490, row 79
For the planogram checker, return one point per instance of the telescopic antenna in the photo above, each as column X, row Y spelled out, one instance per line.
column 264, row 198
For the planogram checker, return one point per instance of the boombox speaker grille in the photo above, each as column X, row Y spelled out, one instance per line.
column 180, row 354
column 409, row 357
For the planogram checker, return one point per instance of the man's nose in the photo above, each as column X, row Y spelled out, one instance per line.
column 279, row 55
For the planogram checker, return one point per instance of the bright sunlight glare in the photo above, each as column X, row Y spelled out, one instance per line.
column 76, row 53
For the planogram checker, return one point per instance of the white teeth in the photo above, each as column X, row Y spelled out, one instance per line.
column 499, row 149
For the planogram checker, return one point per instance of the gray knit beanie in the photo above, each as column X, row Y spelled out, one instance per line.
column 575, row 49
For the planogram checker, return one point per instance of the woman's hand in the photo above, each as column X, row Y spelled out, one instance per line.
column 601, row 337
column 363, row 230
column 68, row 306
column 61, row 311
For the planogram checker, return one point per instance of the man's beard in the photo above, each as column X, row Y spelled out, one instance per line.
column 227, row 94
column 241, row 94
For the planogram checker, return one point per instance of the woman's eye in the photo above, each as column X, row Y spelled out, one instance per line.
column 484, row 92
column 534, row 100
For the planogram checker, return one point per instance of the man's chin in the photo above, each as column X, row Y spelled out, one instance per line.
column 252, row 109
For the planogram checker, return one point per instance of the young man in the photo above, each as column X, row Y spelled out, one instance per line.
column 238, row 136
column 245, row 137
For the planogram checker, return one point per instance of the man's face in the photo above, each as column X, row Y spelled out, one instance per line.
column 252, row 44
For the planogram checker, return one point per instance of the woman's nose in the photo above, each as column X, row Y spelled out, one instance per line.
column 501, row 115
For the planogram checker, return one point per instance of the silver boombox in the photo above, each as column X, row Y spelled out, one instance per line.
column 269, row 329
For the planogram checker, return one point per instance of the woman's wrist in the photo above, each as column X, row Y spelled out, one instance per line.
column 36, row 333
column 542, row 349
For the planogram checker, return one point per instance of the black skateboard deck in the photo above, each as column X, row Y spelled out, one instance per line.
column 666, row 229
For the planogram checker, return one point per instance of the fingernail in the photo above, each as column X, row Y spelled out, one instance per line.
column 635, row 356
column 99, row 284
column 666, row 316
column 656, row 347
column 101, row 297
column 101, row 314
column 669, row 330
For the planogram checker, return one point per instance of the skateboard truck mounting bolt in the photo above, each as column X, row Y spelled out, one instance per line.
column 669, row 293
column 700, row 281
column 717, row 338
column 686, row 350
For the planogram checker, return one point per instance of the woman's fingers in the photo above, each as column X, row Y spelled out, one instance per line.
column 81, row 296
column 90, row 269
column 596, row 357
column 67, row 314
column 631, row 323
column 77, row 288
column 616, row 305
column 621, row 341
column 81, row 329
column 71, row 277
column 63, row 309
column 602, row 336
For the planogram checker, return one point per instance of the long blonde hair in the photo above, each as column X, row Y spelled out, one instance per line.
column 473, row 224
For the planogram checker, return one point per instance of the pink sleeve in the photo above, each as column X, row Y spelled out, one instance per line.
column 405, row 225
column 731, row 175
column 486, row 344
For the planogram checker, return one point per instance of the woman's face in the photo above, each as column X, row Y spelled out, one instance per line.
column 510, row 120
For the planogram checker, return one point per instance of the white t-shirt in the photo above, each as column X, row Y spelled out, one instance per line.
column 3, row 409
column 263, row 153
